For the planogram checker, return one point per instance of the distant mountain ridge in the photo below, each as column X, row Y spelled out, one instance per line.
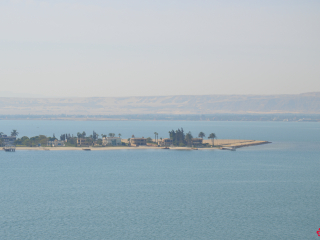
column 306, row 103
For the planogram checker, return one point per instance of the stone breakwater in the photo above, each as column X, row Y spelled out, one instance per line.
column 235, row 143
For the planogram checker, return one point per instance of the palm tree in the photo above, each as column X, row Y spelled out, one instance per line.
column 14, row 133
column 212, row 136
column 201, row 135
column 119, row 135
column 112, row 134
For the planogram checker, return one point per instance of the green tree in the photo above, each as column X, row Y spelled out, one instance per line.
column 212, row 136
column 95, row 135
column 201, row 135
column 81, row 135
column 14, row 133
column 72, row 142
column 119, row 134
column 99, row 141
column 111, row 134
column 178, row 137
column 63, row 137
column 189, row 138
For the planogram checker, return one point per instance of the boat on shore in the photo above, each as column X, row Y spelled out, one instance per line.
column 9, row 148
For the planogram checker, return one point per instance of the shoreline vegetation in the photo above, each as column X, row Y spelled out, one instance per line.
column 178, row 140
column 244, row 143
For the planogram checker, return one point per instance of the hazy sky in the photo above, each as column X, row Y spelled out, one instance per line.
column 159, row 47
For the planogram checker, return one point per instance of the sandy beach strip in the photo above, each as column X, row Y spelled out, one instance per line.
column 102, row 148
column 218, row 143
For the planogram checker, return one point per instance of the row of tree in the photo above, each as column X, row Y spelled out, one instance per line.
column 179, row 138
column 42, row 139
column 94, row 135
column 33, row 141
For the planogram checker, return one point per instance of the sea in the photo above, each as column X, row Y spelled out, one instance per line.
column 269, row 191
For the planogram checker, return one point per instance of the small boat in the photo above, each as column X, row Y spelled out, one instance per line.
column 232, row 148
column 194, row 148
column 86, row 149
column 165, row 148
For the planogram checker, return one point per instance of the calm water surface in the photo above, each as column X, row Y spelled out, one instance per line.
column 263, row 192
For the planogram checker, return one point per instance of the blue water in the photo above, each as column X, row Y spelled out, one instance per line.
column 264, row 192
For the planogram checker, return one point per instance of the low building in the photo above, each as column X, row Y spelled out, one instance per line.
column 56, row 143
column 111, row 141
column 82, row 142
column 166, row 142
column 7, row 140
column 152, row 144
column 196, row 141
column 135, row 142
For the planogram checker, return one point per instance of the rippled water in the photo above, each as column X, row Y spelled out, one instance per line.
column 264, row 192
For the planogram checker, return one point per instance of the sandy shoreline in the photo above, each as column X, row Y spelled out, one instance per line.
column 220, row 142
column 103, row 148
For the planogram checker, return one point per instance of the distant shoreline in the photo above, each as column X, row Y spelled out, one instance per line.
column 219, row 117
column 176, row 107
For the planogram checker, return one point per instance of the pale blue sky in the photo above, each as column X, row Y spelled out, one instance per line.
column 137, row 48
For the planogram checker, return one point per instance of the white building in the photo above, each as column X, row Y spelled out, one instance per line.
column 7, row 140
column 56, row 143
column 113, row 141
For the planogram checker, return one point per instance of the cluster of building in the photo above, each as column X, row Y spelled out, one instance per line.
column 106, row 141
column 85, row 142
column 117, row 141
column 165, row 142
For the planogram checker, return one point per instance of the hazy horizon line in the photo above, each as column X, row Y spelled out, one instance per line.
column 39, row 96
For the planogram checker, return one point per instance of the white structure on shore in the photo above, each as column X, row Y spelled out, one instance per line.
column 7, row 140
column 166, row 142
column 113, row 141
column 56, row 143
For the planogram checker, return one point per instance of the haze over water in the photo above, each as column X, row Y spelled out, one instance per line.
column 264, row 192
